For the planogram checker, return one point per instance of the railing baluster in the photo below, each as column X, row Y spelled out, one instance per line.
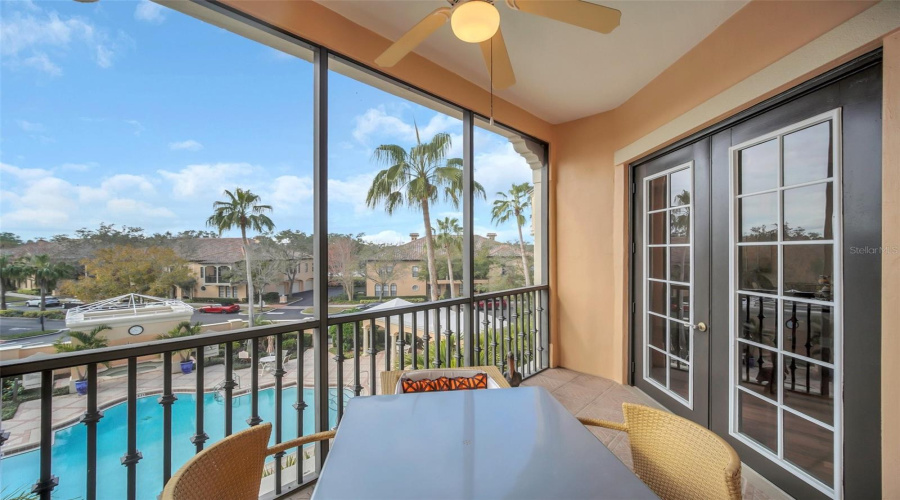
column 228, row 386
column 449, row 339
column 459, row 355
column 167, row 400
column 415, row 340
column 372, row 351
column 387, row 344
column 476, row 310
column 200, row 437
column 89, row 419
column 437, row 337
column 401, row 339
column 300, row 404
column 539, row 328
column 532, row 327
column 487, row 336
column 494, row 343
column 339, row 370
column 132, row 456
column 357, row 387
column 426, row 338
column 47, row 480
column 254, row 383
column 279, row 374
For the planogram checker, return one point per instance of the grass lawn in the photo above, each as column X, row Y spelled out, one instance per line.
column 32, row 333
column 331, row 309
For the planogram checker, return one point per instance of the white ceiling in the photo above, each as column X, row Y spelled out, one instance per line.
column 562, row 72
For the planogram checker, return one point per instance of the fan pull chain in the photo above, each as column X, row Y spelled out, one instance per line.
column 492, row 82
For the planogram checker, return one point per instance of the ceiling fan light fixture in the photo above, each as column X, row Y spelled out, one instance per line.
column 475, row 21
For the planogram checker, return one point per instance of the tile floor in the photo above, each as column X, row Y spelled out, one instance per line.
column 596, row 397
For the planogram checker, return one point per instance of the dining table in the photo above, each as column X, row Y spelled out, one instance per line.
column 518, row 443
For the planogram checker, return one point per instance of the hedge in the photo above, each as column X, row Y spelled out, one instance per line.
column 11, row 313
column 45, row 314
column 29, row 291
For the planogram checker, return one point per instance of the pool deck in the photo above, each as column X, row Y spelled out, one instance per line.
column 24, row 427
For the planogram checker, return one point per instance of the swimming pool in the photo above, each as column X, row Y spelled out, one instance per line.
column 19, row 472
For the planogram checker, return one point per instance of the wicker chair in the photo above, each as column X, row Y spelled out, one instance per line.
column 677, row 458
column 389, row 379
column 232, row 467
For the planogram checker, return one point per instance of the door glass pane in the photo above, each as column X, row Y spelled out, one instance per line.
column 657, row 297
column 658, row 193
column 808, row 213
column 680, row 188
column 758, row 420
column 680, row 302
column 759, row 370
column 758, row 268
column 808, row 388
column 679, row 378
column 680, row 225
column 810, row 447
column 657, row 368
column 680, row 340
column 680, row 264
column 807, row 154
column 809, row 330
column 657, row 334
column 808, row 270
column 657, row 228
column 657, row 262
column 758, row 319
column 758, row 168
column 759, row 217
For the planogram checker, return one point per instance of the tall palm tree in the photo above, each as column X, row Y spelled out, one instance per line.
column 514, row 203
column 242, row 210
column 11, row 271
column 449, row 238
column 85, row 341
column 46, row 274
column 417, row 178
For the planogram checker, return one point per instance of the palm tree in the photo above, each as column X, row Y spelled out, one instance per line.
column 85, row 341
column 513, row 203
column 449, row 236
column 183, row 329
column 46, row 273
column 11, row 271
column 418, row 178
column 242, row 210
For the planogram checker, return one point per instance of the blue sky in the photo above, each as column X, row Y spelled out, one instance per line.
column 129, row 113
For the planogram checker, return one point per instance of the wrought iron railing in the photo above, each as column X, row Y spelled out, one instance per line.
column 458, row 332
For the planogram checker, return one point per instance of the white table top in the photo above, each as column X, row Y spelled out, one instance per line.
column 503, row 443
column 267, row 359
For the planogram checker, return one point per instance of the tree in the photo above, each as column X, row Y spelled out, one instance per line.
column 9, row 240
column 81, row 341
column 122, row 269
column 183, row 329
column 381, row 267
column 343, row 260
column 242, row 210
column 513, row 204
column 450, row 239
column 46, row 274
column 11, row 271
column 418, row 178
column 265, row 270
column 289, row 248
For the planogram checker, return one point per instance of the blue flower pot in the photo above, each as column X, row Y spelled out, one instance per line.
column 81, row 387
column 187, row 367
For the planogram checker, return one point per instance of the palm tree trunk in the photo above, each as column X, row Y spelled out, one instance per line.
column 429, row 248
column 524, row 260
column 249, row 276
column 450, row 273
column 43, row 296
column 2, row 294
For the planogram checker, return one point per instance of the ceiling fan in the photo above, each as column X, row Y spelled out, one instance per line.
column 478, row 21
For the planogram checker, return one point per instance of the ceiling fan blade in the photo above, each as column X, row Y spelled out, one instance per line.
column 502, row 67
column 412, row 38
column 583, row 14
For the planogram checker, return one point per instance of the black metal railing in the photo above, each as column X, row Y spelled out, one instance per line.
column 458, row 332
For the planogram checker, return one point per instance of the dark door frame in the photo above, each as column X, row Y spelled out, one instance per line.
column 868, row 472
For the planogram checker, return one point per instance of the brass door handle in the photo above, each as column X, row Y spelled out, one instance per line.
column 700, row 326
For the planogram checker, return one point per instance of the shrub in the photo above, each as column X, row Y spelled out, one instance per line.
column 45, row 314
column 211, row 300
column 11, row 313
column 29, row 291
column 271, row 296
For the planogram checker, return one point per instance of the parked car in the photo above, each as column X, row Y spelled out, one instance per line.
column 220, row 309
column 369, row 305
column 48, row 302
column 492, row 304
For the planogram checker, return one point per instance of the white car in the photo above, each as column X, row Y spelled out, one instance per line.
column 48, row 302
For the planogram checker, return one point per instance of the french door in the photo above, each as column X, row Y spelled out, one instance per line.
column 756, row 310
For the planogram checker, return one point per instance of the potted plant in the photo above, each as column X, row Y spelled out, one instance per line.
column 184, row 329
column 81, row 341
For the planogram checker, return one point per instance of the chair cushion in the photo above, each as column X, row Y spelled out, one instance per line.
column 443, row 383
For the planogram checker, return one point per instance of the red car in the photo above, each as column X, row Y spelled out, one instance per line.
column 491, row 304
column 220, row 309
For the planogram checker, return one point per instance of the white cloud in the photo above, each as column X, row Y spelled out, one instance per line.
column 42, row 63
column 351, row 191
column 389, row 237
column 288, row 191
column 188, row 145
column 498, row 168
column 25, row 174
column 127, row 183
column 379, row 123
column 76, row 167
column 210, row 180
column 136, row 125
column 127, row 205
column 27, row 126
column 150, row 12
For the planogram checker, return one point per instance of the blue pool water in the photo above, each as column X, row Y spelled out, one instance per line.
column 19, row 472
